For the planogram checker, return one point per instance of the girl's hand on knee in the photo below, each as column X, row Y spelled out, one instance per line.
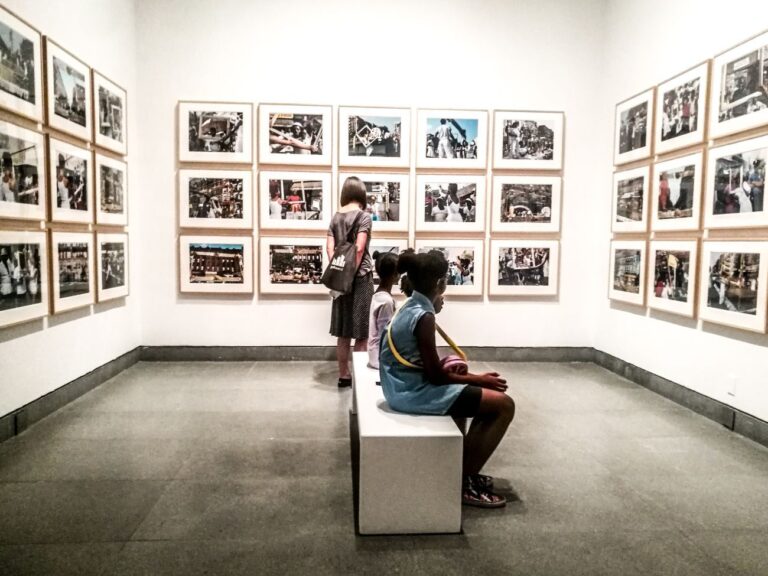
column 493, row 381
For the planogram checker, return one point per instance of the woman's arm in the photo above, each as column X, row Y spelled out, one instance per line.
column 362, row 240
column 330, row 246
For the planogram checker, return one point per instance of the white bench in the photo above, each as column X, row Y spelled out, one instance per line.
column 410, row 466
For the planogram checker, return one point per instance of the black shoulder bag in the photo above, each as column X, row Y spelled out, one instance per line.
column 342, row 269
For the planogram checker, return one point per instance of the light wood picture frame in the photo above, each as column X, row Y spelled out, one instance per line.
column 74, row 281
column 291, row 265
column 452, row 139
column 24, row 184
column 111, row 181
column 374, row 137
column 110, row 119
column 526, row 204
column 22, row 90
column 217, row 132
column 112, row 266
column 676, row 193
column 216, row 264
column 437, row 209
column 627, row 271
column 672, row 274
column 633, row 132
column 295, row 135
column 71, row 182
column 294, row 200
column 23, row 277
column 221, row 199
column 528, row 140
column 466, row 259
column 681, row 110
column 524, row 267
column 389, row 199
column 68, row 92
column 630, row 200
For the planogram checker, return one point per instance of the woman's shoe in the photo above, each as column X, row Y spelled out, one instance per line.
column 345, row 382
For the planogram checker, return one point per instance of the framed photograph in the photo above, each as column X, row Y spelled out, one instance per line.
column 681, row 110
column 740, row 88
column 733, row 284
column 630, row 200
column 111, row 118
column 70, row 170
column 23, row 184
column 68, row 89
column 465, row 264
column 735, row 188
column 112, row 266
column 634, row 120
column 450, row 203
column 378, row 137
column 526, row 204
column 524, row 268
column 73, row 283
column 382, row 246
column 298, row 135
column 21, row 88
column 295, row 200
column 627, row 273
column 528, row 140
column 450, row 139
column 677, row 193
column 672, row 277
column 289, row 265
column 23, row 277
column 216, row 264
column 388, row 199
column 216, row 132
column 216, row 199
column 111, row 191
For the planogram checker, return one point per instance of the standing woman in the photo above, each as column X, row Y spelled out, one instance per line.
column 349, row 316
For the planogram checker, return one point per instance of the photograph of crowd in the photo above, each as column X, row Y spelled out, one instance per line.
column 17, row 64
column 71, row 181
column 69, row 92
column 295, row 264
column 461, row 264
column 671, row 275
column 739, row 184
column 215, row 198
column 19, row 275
column 21, row 158
column 450, row 202
column 378, row 136
column 527, row 140
column 680, row 110
column 627, row 265
column 523, row 267
column 526, row 203
column 451, row 138
column 744, row 85
column 295, row 199
column 676, row 192
column 112, row 183
column 630, row 198
column 296, row 133
column 215, row 131
column 112, row 265
column 216, row 263
column 73, row 269
column 633, row 128
column 110, row 114
column 733, row 281
column 383, row 200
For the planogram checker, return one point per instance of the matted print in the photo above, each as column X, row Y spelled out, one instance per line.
column 110, row 120
column 526, row 204
column 374, row 137
column 74, row 283
column 111, row 266
column 676, row 196
column 388, row 199
column 68, row 86
column 528, row 140
column 111, row 190
column 216, row 264
column 21, row 70
column 740, row 88
column 216, row 132
column 734, row 280
column 450, row 203
column 630, row 200
column 23, row 277
column 23, row 183
column 71, row 184
column 634, row 121
column 465, row 274
column 300, row 135
column 215, row 199
column 451, row 139
column 291, row 265
column 672, row 276
column 383, row 246
column 627, row 272
column 524, row 268
column 735, row 189
column 681, row 105
column 295, row 200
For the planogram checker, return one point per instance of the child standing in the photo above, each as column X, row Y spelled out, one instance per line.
column 382, row 303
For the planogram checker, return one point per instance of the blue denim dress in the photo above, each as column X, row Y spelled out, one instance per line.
column 407, row 389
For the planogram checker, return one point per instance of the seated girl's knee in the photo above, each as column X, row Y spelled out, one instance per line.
column 509, row 407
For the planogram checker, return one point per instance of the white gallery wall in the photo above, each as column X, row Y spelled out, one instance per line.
column 40, row 356
column 648, row 42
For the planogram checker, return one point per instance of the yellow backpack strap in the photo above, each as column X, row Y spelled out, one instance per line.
column 459, row 352
column 391, row 343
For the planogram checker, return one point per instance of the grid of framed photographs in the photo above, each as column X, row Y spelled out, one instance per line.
column 701, row 187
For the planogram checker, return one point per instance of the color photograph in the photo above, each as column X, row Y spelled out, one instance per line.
column 215, row 199
column 524, row 268
column 526, row 204
column 450, row 203
column 216, row 132
column 292, row 265
column 528, row 140
column 295, row 135
column 295, row 200
column 465, row 264
column 452, row 139
column 374, row 137
column 216, row 264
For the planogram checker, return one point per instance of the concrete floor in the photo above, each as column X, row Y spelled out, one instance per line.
column 244, row 468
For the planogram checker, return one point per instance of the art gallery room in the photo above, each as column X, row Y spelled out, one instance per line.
column 437, row 287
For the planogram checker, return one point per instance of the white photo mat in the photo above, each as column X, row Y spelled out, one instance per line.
column 366, row 134
column 187, row 221
column 678, row 165
column 553, row 225
column 555, row 121
column 635, row 275
column 103, row 216
column 244, row 154
column 644, row 101
column 213, row 243
column 268, row 209
column 61, row 304
column 275, row 281
column 269, row 134
column 660, row 297
column 69, row 153
column 55, row 52
column 32, row 106
column 119, row 115
column 538, row 272
column 443, row 180
column 618, row 222
column 103, row 267
column 699, row 111
column 404, row 213
column 32, row 311
column 35, row 139
column 455, row 249
column 480, row 117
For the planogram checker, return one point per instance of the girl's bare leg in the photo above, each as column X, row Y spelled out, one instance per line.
column 494, row 415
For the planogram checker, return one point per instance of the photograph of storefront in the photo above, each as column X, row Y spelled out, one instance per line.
column 291, row 264
column 626, row 277
column 73, row 269
column 216, row 263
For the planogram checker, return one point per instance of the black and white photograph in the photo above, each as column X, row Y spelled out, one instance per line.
column 736, row 185
column 112, row 265
column 452, row 139
column 524, row 267
column 740, row 88
column 528, row 140
column 630, row 200
column 388, row 199
column 22, row 188
column 111, row 118
column 634, row 120
column 215, row 199
column 465, row 264
column 21, row 276
column 295, row 134
column 21, row 76
column 627, row 271
column 69, row 92
column 216, row 132
column 111, row 191
column 676, row 193
column 672, row 276
column 70, row 182
column 295, row 200
column 448, row 203
column 526, row 203
column 374, row 136
column 73, row 283
column 292, row 265
column 681, row 110
column 216, row 264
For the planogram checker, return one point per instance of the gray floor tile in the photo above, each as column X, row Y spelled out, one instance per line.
column 89, row 559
